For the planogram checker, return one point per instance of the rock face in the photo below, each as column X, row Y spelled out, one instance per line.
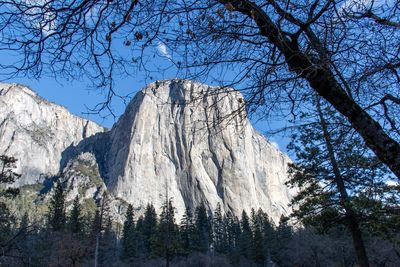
column 177, row 139
column 36, row 132
column 192, row 142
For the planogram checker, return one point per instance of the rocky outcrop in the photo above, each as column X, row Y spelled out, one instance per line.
column 177, row 139
column 36, row 132
column 194, row 143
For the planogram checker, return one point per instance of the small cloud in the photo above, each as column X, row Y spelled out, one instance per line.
column 163, row 50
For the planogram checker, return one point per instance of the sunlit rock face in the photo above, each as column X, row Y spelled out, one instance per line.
column 194, row 143
column 36, row 132
column 177, row 139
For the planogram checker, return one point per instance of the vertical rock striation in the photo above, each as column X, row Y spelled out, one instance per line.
column 181, row 139
column 194, row 143
column 36, row 132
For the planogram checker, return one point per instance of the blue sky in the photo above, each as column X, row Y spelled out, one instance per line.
column 78, row 97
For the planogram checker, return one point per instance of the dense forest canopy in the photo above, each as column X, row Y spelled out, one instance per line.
column 75, row 238
column 277, row 52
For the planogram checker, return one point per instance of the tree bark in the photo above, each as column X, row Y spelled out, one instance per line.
column 323, row 81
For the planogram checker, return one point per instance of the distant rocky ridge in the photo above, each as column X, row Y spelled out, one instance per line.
column 36, row 132
column 176, row 137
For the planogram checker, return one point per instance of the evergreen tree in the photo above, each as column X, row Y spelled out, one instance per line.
column 24, row 225
column 341, row 181
column 7, row 177
column 203, row 231
column 75, row 219
column 282, row 237
column 128, row 236
column 246, row 237
column 25, row 243
column 187, row 232
column 269, row 235
column 258, row 251
column 233, row 236
column 102, row 216
column 95, row 228
column 149, row 229
column 219, row 230
column 167, row 233
column 56, row 215
column 139, row 239
column 108, row 248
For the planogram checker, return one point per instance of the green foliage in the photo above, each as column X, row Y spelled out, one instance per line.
column 269, row 245
column 75, row 219
column 107, row 245
column 258, row 250
column 246, row 237
column 219, row 230
column 5, row 224
column 128, row 235
column 148, row 230
column 203, row 231
column 233, row 236
column 7, row 175
column 166, row 243
column 56, row 216
column 319, row 172
column 187, row 232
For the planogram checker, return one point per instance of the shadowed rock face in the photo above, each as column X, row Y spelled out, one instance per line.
column 179, row 138
column 195, row 143
column 36, row 132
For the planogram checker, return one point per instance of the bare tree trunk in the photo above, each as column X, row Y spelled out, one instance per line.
column 351, row 218
column 323, row 81
column 96, row 251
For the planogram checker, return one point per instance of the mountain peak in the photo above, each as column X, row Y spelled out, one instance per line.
column 177, row 138
column 36, row 132
column 6, row 88
column 195, row 142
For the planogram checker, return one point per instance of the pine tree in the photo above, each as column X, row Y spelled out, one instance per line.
column 8, row 176
column 128, row 236
column 219, row 230
column 338, row 176
column 246, row 237
column 56, row 215
column 233, row 235
column 149, row 229
column 25, row 244
column 187, row 232
column 102, row 216
column 24, row 225
column 203, row 231
column 269, row 235
column 75, row 219
column 107, row 246
column 139, row 239
column 258, row 251
column 167, row 233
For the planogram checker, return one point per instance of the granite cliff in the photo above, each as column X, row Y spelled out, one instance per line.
column 36, row 132
column 176, row 137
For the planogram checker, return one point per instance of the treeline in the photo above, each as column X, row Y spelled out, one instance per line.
column 198, row 239
column 252, row 238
